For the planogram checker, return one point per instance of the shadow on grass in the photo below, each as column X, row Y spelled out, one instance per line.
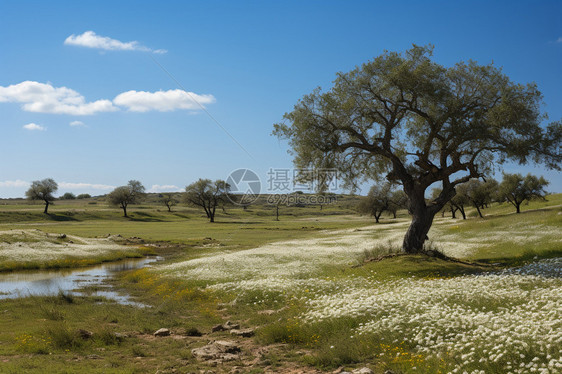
column 525, row 258
column 60, row 217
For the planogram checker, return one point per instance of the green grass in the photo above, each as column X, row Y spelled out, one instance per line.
column 40, row 334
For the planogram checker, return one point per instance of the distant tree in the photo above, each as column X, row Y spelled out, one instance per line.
column 377, row 200
column 84, row 196
column 516, row 189
column 398, row 200
column 406, row 118
column 68, row 196
column 481, row 193
column 169, row 200
column 208, row 195
column 43, row 190
column 457, row 203
column 122, row 196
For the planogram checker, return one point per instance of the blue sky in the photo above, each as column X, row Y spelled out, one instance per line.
column 121, row 85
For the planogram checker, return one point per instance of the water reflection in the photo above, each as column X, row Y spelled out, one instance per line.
column 51, row 282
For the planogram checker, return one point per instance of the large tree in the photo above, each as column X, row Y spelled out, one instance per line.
column 416, row 122
column 516, row 189
column 122, row 196
column 208, row 195
column 43, row 190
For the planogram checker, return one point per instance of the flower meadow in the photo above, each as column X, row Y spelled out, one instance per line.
column 507, row 321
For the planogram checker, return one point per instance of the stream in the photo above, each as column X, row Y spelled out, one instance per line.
column 52, row 282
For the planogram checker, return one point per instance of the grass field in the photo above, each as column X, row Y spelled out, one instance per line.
column 310, row 284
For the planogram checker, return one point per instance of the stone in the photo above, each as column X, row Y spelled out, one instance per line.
column 220, row 350
column 364, row 370
column 85, row 334
column 162, row 332
column 245, row 333
column 225, row 326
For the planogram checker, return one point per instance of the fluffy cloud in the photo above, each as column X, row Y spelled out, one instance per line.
column 44, row 98
column 77, row 124
column 163, row 101
column 34, row 127
column 80, row 186
column 90, row 39
column 164, row 188
column 16, row 183
column 559, row 40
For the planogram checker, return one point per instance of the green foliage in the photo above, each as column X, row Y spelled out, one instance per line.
column 415, row 122
column 516, row 189
column 83, row 196
column 68, row 196
column 42, row 190
column 208, row 195
column 122, row 196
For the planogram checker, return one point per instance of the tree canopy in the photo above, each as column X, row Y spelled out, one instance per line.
column 516, row 189
column 208, row 195
column 122, row 196
column 415, row 122
column 43, row 190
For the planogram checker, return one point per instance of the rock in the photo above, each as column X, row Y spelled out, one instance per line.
column 364, row 370
column 389, row 372
column 62, row 236
column 217, row 328
column 162, row 332
column 85, row 334
column 220, row 350
column 245, row 333
column 119, row 336
column 225, row 326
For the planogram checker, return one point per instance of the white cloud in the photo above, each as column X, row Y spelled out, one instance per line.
column 90, row 39
column 164, row 188
column 44, row 98
column 34, row 127
column 80, row 186
column 77, row 124
column 163, row 101
column 559, row 40
column 16, row 183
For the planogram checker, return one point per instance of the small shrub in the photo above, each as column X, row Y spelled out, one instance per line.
column 65, row 297
column 193, row 331
column 62, row 337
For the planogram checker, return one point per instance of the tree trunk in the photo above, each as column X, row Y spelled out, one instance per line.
column 417, row 232
column 462, row 212
column 517, row 206
column 47, row 207
column 422, row 218
column 478, row 209
column 124, row 210
column 277, row 213
column 394, row 214
column 377, row 216
column 453, row 213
